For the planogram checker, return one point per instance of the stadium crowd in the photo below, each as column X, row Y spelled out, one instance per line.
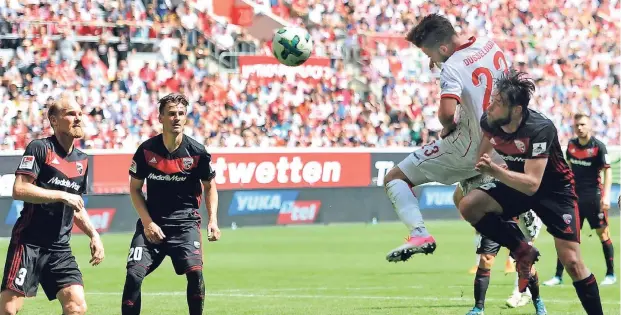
column 564, row 45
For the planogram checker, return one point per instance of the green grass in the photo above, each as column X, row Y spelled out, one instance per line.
column 337, row 269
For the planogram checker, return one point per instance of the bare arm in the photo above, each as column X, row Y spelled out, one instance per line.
column 24, row 189
column 607, row 185
column 446, row 112
column 528, row 182
column 486, row 146
column 211, row 200
column 83, row 222
column 140, row 204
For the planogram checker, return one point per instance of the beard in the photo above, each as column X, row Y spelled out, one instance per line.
column 76, row 132
column 501, row 121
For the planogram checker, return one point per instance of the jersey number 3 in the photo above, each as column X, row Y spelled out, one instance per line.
column 489, row 79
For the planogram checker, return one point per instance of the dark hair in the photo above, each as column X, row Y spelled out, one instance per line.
column 432, row 31
column 174, row 98
column 515, row 88
column 581, row 115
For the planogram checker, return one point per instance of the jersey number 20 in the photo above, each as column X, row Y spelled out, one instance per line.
column 482, row 71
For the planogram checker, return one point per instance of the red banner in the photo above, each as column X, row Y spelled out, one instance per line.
column 255, row 171
column 100, row 218
column 268, row 67
column 242, row 15
column 388, row 40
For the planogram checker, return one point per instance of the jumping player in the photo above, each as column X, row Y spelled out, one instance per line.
column 487, row 250
column 50, row 179
column 537, row 178
column 174, row 166
column 587, row 157
column 469, row 67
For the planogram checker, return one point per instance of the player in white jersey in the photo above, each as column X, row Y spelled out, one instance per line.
column 469, row 67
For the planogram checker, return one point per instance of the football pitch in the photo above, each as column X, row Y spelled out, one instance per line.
column 335, row 269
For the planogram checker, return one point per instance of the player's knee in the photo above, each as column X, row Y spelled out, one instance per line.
column 486, row 261
column 603, row 233
column 9, row 309
column 10, row 303
column 75, row 308
column 458, row 195
column 572, row 264
column 195, row 277
column 135, row 275
column 394, row 174
column 467, row 207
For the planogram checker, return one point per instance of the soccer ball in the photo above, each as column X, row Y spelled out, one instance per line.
column 292, row 46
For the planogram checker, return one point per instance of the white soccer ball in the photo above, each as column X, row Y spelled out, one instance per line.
column 292, row 46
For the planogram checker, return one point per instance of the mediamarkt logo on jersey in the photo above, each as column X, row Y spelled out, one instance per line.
column 64, row 182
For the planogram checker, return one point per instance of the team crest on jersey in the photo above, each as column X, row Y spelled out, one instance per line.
column 600, row 215
column 590, row 151
column 197, row 244
column 187, row 163
column 567, row 218
column 520, row 145
column 80, row 168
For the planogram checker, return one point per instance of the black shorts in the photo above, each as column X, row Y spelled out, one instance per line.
column 487, row 246
column 591, row 209
column 183, row 245
column 557, row 210
column 28, row 265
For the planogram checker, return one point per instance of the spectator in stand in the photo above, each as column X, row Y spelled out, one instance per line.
column 49, row 49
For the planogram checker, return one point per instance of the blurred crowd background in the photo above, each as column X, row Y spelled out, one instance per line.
column 120, row 56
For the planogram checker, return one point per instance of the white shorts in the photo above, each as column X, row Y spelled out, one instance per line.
column 445, row 161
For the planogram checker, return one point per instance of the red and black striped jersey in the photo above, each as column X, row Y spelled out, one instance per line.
column 49, row 225
column 173, row 179
column 586, row 162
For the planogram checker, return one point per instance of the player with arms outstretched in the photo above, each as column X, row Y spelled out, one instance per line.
column 537, row 177
column 587, row 157
column 174, row 167
column 50, row 179
column 469, row 67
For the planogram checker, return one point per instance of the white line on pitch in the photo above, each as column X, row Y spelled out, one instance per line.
column 322, row 289
column 354, row 297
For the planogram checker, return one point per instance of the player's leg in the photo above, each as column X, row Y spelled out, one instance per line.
column 598, row 220
column 487, row 250
column 560, row 214
column 143, row 259
column 485, row 207
column 20, row 279
column 61, row 279
column 72, row 300
column 583, row 208
column 10, row 302
column 398, row 187
column 458, row 194
column 186, row 254
column 434, row 162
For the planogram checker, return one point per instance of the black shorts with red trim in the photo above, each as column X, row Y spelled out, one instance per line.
column 590, row 208
column 558, row 210
column 182, row 244
column 27, row 266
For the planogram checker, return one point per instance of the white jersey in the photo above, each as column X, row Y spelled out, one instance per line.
column 468, row 76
